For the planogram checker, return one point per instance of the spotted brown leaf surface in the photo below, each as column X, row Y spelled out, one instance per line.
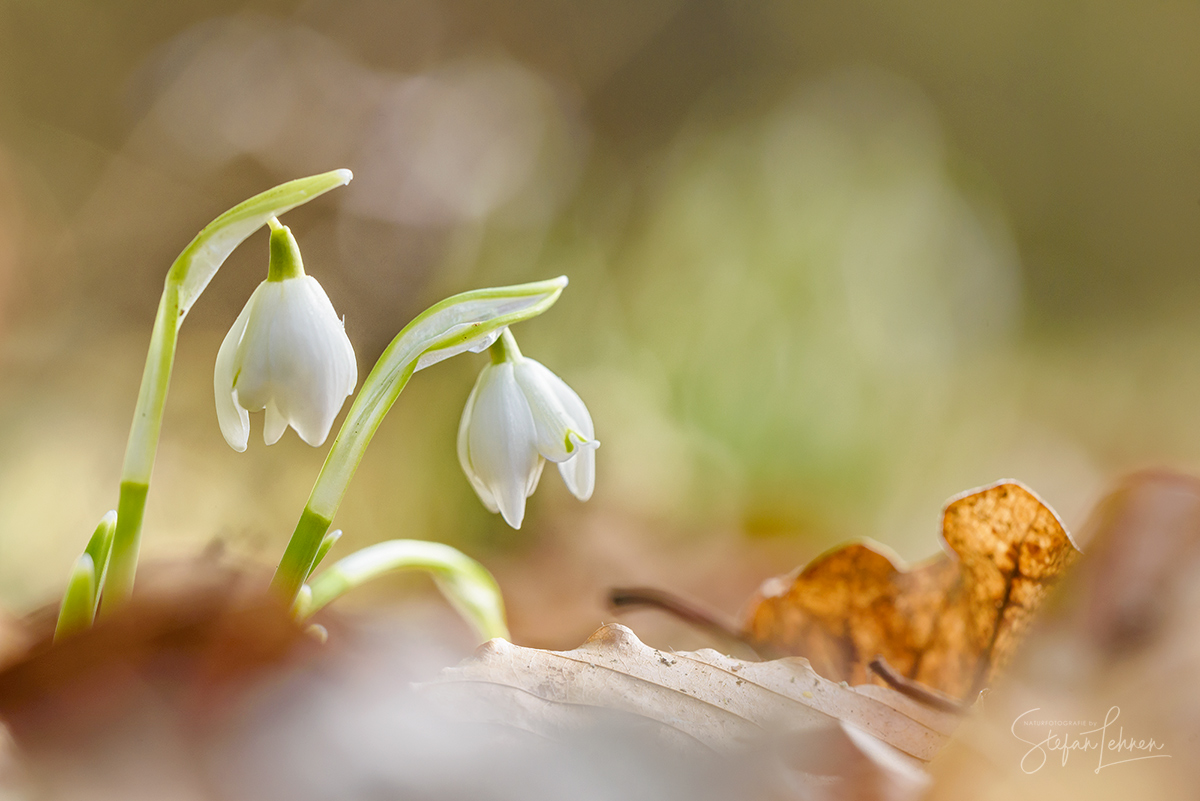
column 950, row 623
column 1118, row 647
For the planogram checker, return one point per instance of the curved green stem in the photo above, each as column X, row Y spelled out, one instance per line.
column 468, row 321
column 186, row 279
column 467, row 585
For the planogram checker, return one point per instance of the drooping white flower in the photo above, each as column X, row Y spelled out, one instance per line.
column 287, row 353
column 518, row 415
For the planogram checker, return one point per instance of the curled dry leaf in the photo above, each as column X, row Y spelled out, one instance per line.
column 1102, row 702
column 949, row 624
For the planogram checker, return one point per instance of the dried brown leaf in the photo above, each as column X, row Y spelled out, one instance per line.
column 949, row 623
column 194, row 627
column 1109, row 668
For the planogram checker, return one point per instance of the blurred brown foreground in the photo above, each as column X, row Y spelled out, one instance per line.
column 205, row 689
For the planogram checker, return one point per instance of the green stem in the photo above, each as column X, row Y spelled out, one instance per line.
column 186, row 280
column 127, row 540
column 285, row 254
column 505, row 349
column 301, row 551
column 467, row 321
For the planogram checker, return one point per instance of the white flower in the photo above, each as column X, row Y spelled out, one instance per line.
column 287, row 353
column 518, row 415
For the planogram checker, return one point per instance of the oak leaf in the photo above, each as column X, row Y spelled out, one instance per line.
column 949, row 624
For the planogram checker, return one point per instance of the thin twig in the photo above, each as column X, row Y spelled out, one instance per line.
column 686, row 610
column 915, row 689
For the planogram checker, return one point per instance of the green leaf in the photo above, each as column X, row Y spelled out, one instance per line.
column 467, row 585
column 99, row 548
column 203, row 256
column 326, row 544
column 79, row 601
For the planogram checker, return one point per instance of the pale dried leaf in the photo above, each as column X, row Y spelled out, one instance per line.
column 698, row 697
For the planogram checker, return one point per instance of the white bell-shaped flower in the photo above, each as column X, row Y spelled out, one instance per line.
column 287, row 353
column 520, row 414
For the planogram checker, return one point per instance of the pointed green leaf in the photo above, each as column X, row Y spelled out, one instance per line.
column 79, row 601
column 326, row 544
column 467, row 585
column 99, row 548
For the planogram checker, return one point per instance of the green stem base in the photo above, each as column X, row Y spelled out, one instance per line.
column 297, row 560
column 127, row 540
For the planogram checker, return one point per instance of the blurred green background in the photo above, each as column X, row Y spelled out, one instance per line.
column 830, row 264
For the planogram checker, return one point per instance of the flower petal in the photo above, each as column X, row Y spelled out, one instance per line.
column 254, row 384
column 535, row 477
column 274, row 425
column 579, row 472
column 296, row 354
column 500, row 437
column 233, row 419
column 464, row 457
column 317, row 390
column 559, row 415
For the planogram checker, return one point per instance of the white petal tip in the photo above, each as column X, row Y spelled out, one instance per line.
column 579, row 473
column 345, row 175
column 578, row 443
column 237, row 436
column 512, row 510
column 514, row 521
column 274, row 424
column 317, row 444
